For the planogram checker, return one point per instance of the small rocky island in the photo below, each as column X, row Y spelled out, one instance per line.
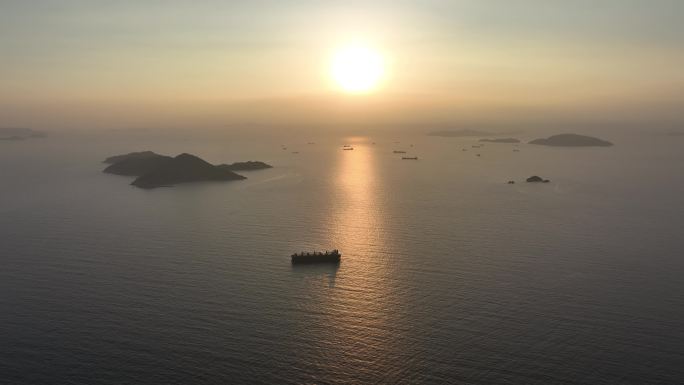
column 155, row 170
column 17, row 133
column 536, row 179
column 572, row 140
column 501, row 140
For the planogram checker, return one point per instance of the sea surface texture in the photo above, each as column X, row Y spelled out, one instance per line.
column 449, row 275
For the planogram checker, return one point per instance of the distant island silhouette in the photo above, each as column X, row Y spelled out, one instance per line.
column 245, row 166
column 18, row 133
column 501, row 140
column 572, row 140
column 536, row 179
column 155, row 170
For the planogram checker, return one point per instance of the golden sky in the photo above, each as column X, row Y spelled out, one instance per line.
column 135, row 63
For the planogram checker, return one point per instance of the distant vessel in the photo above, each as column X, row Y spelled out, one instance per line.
column 348, row 148
column 316, row 257
column 399, row 152
column 409, row 158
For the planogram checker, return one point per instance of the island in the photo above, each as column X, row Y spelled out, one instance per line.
column 572, row 140
column 18, row 133
column 184, row 168
column 245, row 166
column 154, row 170
column 501, row 140
column 536, row 179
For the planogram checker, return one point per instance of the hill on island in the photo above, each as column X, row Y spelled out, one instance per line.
column 131, row 155
column 572, row 140
column 154, row 170
column 184, row 168
column 136, row 163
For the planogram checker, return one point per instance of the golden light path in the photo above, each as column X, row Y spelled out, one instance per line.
column 360, row 311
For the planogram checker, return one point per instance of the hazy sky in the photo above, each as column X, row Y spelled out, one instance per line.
column 145, row 63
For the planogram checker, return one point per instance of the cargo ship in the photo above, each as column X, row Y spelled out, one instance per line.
column 316, row 257
column 410, row 158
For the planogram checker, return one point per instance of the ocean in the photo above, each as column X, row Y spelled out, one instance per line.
column 449, row 275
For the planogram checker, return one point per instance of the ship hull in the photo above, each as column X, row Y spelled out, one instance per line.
column 309, row 259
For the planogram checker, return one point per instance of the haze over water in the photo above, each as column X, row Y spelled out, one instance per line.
column 449, row 275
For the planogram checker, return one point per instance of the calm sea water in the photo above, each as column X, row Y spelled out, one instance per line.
column 449, row 275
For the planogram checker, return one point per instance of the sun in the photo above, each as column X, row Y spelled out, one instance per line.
column 358, row 69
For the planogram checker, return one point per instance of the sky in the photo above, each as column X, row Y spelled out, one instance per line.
column 158, row 63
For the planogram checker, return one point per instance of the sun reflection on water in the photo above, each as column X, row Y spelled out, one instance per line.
column 356, row 202
column 359, row 315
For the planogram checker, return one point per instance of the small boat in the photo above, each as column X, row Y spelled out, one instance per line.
column 409, row 157
column 333, row 256
column 347, row 148
column 399, row 152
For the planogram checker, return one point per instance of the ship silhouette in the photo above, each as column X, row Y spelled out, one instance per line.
column 316, row 257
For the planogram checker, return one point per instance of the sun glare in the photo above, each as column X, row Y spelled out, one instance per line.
column 357, row 69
